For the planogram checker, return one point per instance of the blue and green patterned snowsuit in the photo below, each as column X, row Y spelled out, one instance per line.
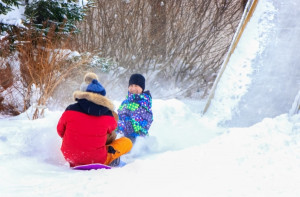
column 135, row 115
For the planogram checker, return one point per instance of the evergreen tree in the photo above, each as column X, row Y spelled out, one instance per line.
column 60, row 13
column 5, row 5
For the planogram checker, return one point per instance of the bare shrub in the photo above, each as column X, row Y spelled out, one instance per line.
column 8, row 106
column 44, row 64
column 6, row 81
column 178, row 43
column 4, row 46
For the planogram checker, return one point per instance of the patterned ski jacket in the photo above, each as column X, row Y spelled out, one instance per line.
column 135, row 115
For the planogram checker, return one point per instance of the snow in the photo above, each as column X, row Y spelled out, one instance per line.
column 186, row 154
column 238, row 71
column 14, row 17
column 238, row 161
column 264, row 65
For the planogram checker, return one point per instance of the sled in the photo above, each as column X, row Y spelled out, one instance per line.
column 93, row 166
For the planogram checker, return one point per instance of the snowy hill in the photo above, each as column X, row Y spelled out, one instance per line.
column 263, row 72
column 185, row 155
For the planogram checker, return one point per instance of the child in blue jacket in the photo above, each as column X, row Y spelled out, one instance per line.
column 135, row 113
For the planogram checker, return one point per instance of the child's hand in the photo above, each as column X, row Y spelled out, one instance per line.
column 111, row 137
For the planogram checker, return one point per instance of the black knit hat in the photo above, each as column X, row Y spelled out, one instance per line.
column 137, row 79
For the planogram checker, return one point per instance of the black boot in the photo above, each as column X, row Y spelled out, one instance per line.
column 115, row 162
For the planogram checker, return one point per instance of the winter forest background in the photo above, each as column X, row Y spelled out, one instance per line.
column 178, row 45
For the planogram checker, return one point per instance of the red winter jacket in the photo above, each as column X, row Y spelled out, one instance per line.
column 84, row 127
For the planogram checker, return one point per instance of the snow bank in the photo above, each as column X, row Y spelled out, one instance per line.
column 185, row 154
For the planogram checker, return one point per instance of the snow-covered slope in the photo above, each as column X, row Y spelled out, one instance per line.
column 263, row 74
column 185, row 155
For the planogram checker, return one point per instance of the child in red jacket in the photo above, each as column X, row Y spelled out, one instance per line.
column 87, row 127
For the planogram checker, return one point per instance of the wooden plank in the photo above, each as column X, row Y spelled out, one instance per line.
column 245, row 19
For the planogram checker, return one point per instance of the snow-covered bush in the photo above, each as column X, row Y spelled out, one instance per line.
column 102, row 64
column 5, row 5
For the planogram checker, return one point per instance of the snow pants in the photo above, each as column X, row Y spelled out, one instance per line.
column 120, row 146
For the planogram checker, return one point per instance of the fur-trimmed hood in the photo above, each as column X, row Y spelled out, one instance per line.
column 95, row 98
